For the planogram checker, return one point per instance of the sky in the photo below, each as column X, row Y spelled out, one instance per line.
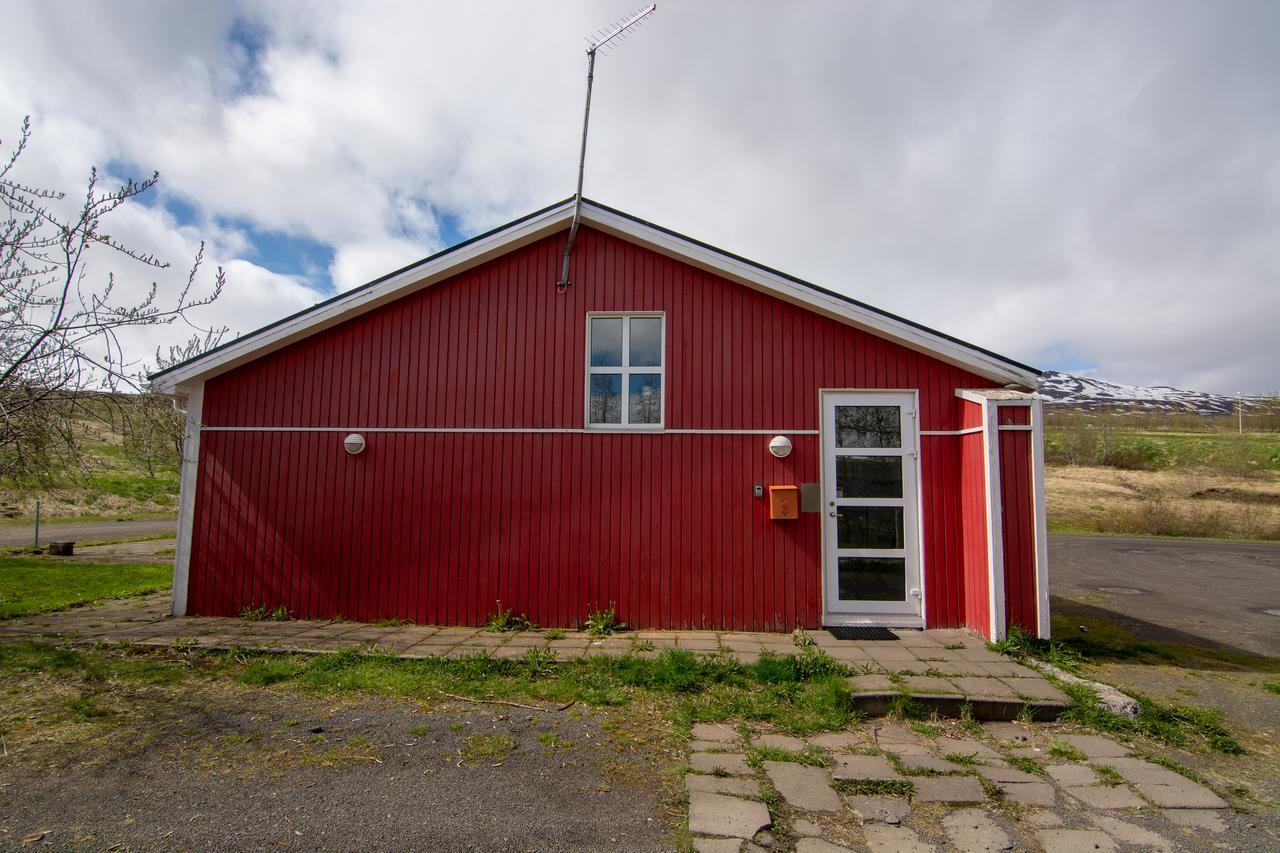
column 1090, row 187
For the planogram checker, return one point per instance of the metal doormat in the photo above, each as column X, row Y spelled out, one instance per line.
column 846, row 632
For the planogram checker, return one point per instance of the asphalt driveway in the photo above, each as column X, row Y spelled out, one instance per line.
column 1219, row 591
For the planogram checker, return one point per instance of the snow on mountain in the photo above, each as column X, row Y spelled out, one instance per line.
column 1082, row 392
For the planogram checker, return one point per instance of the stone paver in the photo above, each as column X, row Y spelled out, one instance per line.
column 894, row 839
column 974, row 831
column 717, row 814
column 716, row 732
column 1008, row 731
column 1007, row 774
column 1105, row 796
column 956, row 790
column 837, row 740
column 1188, row 795
column 717, row 845
column 928, row 684
column 806, row 788
column 1095, row 746
column 1072, row 774
column 794, row 744
column 1128, row 833
column 1138, row 771
column 733, row 763
column 965, row 746
column 879, row 809
column 806, row 828
column 818, row 845
column 970, row 670
column 1075, row 840
column 1043, row 817
column 722, row 785
column 928, row 763
column 1207, row 819
column 853, row 767
column 1030, row 793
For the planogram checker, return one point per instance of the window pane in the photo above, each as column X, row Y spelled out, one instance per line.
column 605, row 406
column 868, row 426
column 868, row 476
column 644, row 399
column 869, row 527
column 872, row 578
column 646, row 342
column 606, row 341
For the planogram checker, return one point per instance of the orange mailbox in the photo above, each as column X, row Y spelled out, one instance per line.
column 784, row 502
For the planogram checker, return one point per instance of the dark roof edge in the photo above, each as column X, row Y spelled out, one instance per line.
column 842, row 297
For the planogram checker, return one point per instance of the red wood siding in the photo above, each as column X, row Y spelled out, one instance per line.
column 972, row 526
column 437, row 526
column 1018, row 504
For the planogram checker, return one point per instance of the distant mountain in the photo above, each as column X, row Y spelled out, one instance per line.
column 1081, row 392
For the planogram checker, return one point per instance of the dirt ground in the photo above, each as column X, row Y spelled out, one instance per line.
column 226, row 767
column 1083, row 497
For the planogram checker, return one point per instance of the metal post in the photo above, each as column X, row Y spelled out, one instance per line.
column 1240, row 409
column 37, row 542
column 582, row 164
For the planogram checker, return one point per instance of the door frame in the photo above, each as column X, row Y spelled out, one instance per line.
column 888, row 620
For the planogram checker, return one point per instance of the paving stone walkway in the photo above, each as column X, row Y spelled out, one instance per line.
column 941, row 668
column 944, row 785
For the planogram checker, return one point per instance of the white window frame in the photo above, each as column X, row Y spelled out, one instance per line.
column 625, row 371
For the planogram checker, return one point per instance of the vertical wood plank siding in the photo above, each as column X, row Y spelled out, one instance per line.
column 436, row 527
column 1019, row 527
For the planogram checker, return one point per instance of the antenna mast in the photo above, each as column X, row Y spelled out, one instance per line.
column 602, row 40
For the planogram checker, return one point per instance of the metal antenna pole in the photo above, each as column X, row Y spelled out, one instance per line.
column 635, row 19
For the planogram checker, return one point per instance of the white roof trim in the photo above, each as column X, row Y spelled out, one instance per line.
column 181, row 379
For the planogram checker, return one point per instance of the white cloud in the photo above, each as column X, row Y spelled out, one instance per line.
column 1089, row 184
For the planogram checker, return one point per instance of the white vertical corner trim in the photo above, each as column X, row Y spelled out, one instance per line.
column 995, row 518
column 1041, row 520
column 187, row 499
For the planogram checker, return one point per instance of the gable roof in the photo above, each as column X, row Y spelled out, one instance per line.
column 181, row 378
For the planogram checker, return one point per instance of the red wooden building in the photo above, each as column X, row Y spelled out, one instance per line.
column 690, row 437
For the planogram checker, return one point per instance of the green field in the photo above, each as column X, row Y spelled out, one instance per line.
column 35, row 585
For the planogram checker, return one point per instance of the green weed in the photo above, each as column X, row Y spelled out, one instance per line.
column 961, row 759
column 811, row 756
column 265, row 613
column 1026, row 765
column 602, row 623
column 1065, row 751
column 1108, row 774
column 554, row 634
column 507, row 620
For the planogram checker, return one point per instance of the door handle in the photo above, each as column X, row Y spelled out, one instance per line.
column 832, row 513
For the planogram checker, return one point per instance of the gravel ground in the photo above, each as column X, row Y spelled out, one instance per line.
column 220, row 773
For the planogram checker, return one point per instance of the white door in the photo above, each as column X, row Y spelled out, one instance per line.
column 871, row 560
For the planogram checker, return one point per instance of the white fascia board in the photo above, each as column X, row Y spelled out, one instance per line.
column 365, row 299
column 756, row 278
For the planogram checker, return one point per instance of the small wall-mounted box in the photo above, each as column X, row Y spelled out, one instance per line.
column 784, row 502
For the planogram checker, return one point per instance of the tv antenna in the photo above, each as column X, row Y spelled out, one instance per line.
column 603, row 40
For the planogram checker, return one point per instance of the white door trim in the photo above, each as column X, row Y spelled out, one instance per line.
column 187, row 499
column 871, row 614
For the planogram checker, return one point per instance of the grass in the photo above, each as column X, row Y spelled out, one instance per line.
column 876, row 787
column 486, row 749
column 810, row 756
column 1271, row 687
column 264, row 613
column 691, row 688
column 34, row 585
column 1108, row 774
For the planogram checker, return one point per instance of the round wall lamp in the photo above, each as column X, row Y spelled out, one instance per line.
column 353, row 443
column 780, row 446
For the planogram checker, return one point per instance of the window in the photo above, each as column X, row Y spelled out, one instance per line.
column 624, row 370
